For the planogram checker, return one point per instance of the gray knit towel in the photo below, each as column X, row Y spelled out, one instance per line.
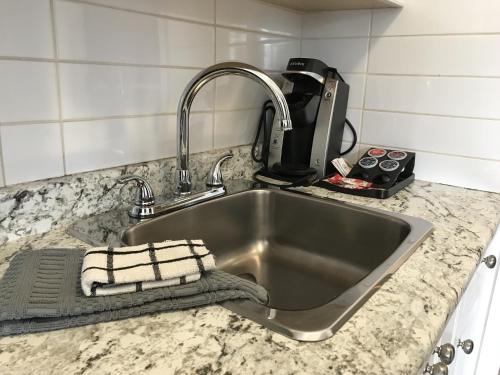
column 108, row 270
column 41, row 291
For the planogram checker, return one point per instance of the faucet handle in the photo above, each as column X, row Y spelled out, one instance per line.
column 144, row 198
column 214, row 178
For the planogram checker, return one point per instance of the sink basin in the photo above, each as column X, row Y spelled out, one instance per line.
column 319, row 259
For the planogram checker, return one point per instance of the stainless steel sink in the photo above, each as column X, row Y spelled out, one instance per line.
column 319, row 259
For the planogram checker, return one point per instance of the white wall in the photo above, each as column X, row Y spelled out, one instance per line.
column 425, row 78
column 86, row 86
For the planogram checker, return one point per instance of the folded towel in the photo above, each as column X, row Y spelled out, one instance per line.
column 108, row 270
column 41, row 291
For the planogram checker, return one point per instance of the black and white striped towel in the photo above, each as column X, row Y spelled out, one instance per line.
column 107, row 270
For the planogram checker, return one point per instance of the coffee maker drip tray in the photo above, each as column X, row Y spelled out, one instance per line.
column 292, row 177
column 293, row 170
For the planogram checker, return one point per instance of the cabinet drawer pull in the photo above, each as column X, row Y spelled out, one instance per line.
column 436, row 369
column 446, row 353
column 466, row 345
column 490, row 261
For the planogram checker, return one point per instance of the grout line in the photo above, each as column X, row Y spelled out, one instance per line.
column 335, row 37
column 84, row 62
column 215, row 80
column 28, row 122
column 253, row 31
column 58, row 83
column 429, row 152
column 365, row 80
column 431, row 114
column 239, row 109
column 2, row 165
column 135, row 65
column 142, row 115
column 301, row 33
column 436, row 35
column 181, row 19
column 419, row 75
column 145, row 13
column 281, row 7
column 119, row 117
column 352, row 73
column 398, row 36
column 92, row 62
column 84, row 119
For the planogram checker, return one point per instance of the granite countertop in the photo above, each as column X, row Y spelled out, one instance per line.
column 392, row 333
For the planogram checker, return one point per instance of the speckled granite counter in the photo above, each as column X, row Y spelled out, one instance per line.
column 393, row 333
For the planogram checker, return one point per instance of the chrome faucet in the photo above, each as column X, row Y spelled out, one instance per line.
column 183, row 177
column 144, row 206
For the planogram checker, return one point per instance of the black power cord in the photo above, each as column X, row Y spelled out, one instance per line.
column 263, row 124
column 349, row 124
column 354, row 137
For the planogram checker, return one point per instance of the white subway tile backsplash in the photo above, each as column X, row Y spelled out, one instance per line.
column 197, row 10
column 425, row 17
column 28, row 91
column 433, row 133
column 452, row 170
column 2, row 181
column 349, row 23
column 473, row 55
column 235, row 128
column 355, row 117
column 93, row 33
column 201, row 132
column 432, row 80
column 90, row 90
column 26, row 28
column 233, row 92
column 265, row 51
column 356, row 84
column 455, row 96
column 120, row 68
column 107, row 143
column 31, row 152
column 253, row 15
column 91, row 145
column 344, row 54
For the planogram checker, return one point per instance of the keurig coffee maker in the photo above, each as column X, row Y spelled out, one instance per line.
column 317, row 98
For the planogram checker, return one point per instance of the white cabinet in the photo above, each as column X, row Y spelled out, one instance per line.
column 489, row 352
column 314, row 5
column 475, row 323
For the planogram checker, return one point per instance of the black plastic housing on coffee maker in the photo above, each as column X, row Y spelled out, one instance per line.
column 317, row 101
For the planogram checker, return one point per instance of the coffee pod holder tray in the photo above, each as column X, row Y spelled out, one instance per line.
column 379, row 173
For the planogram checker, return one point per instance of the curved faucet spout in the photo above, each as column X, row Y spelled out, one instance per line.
column 183, row 178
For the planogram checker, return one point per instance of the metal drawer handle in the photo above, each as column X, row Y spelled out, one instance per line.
column 436, row 369
column 466, row 345
column 490, row 261
column 446, row 353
